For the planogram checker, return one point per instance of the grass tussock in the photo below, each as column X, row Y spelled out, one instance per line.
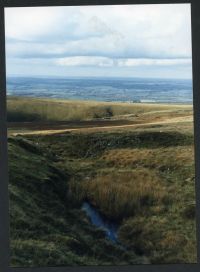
column 120, row 195
column 159, row 238
column 161, row 158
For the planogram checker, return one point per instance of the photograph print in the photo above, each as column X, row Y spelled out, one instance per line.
column 100, row 135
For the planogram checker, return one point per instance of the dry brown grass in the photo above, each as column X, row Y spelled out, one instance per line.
column 122, row 194
column 154, row 158
column 151, row 190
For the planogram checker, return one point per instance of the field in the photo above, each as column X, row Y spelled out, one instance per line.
column 134, row 163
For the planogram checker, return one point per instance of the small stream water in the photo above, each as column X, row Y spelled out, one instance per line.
column 107, row 225
column 99, row 221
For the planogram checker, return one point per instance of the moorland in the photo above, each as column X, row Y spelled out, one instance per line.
column 132, row 162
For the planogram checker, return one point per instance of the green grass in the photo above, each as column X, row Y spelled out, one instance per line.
column 46, row 228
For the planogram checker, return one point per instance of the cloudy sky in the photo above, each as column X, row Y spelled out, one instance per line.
column 115, row 41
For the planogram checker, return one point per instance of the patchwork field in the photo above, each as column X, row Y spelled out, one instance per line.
column 133, row 163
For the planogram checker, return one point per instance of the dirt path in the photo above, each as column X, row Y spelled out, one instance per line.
column 188, row 118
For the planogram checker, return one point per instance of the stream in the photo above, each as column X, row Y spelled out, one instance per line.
column 99, row 221
column 108, row 226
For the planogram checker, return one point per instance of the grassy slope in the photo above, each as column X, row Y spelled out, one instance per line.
column 106, row 168
column 157, row 212
column 33, row 109
column 46, row 229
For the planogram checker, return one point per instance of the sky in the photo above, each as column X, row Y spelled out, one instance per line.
column 152, row 41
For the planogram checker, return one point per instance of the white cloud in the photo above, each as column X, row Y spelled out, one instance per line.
column 143, row 30
column 105, row 36
column 85, row 61
column 153, row 62
column 29, row 23
column 108, row 62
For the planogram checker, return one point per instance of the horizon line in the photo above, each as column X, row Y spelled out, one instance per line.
column 93, row 77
